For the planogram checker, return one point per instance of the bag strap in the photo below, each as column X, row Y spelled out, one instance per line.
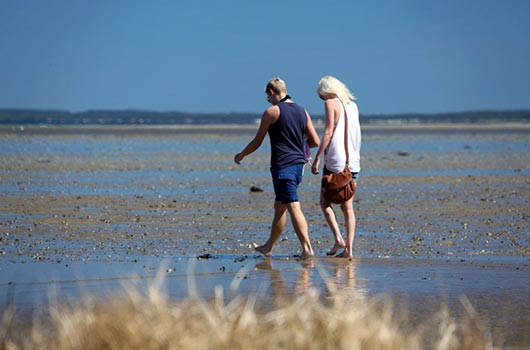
column 346, row 135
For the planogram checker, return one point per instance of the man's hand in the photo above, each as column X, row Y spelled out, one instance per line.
column 238, row 158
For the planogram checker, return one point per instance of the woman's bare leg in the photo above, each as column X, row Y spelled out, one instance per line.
column 349, row 216
column 329, row 214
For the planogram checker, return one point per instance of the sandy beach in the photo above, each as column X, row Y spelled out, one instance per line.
column 443, row 211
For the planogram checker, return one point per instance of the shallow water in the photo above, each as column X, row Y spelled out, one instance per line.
column 33, row 283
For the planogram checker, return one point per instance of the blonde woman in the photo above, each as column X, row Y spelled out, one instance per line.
column 337, row 97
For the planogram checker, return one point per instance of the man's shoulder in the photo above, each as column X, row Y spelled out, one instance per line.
column 272, row 111
column 270, row 116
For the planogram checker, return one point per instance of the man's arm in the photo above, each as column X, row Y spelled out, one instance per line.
column 312, row 136
column 270, row 115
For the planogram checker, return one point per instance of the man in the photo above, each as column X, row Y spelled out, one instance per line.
column 288, row 125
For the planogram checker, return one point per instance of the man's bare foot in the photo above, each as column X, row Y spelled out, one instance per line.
column 344, row 254
column 336, row 247
column 265, row 264
column 306, row 255
column 263, row 250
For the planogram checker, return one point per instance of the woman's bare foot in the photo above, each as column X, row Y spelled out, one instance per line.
column 344, row 254
column 263, row 250
column 336, row 247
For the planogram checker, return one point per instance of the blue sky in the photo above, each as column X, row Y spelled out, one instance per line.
column 216, row 56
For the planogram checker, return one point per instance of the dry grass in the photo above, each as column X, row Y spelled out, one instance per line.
column 154, row 321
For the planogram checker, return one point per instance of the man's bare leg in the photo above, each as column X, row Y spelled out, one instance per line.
column 278, row 224
column 301, row 229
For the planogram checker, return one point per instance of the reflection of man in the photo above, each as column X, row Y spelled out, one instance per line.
column 280, row 291
column 288, row 126
column 304, row 277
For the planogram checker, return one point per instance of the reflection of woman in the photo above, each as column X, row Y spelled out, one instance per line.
column 337, row 98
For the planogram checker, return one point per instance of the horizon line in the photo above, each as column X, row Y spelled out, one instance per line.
column 134, row 110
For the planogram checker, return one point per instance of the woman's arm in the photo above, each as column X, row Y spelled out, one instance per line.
column 330, row 108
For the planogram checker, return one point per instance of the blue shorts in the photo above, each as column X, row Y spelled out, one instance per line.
column 286, row 183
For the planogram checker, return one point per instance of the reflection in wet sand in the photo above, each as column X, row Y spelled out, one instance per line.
column 334, row 279
column 348, row 287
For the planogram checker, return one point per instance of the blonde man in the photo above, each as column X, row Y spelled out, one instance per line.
column 288, row 125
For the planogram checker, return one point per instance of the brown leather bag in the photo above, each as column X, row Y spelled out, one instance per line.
column 339, row 187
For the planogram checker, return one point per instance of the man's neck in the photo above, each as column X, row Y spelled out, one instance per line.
column 285, row 98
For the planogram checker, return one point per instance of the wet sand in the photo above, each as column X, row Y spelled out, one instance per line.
column 442, row 211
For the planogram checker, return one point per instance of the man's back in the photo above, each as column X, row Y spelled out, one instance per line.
column 287, row 136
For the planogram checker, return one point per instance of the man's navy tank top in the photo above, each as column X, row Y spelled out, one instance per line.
column 287, row 136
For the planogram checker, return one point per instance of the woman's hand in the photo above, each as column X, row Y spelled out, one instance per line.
column 314, row 167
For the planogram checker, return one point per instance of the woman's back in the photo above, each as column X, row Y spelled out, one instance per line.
column 335, row 156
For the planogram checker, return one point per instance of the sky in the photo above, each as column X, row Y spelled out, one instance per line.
column 396, row 56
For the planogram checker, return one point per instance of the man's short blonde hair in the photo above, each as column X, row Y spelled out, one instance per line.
column 329, row 85
column 277, row 85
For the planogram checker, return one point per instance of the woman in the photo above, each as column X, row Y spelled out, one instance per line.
column 338, row 97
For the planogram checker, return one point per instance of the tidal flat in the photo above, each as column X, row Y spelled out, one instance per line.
column 443, row 212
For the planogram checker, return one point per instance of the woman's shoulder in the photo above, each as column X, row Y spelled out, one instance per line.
column 332, row 103
column 335, row 100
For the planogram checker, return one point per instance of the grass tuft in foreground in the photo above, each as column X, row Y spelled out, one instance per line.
column 154, row 321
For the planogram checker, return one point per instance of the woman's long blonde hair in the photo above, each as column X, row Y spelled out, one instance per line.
column 331, row 85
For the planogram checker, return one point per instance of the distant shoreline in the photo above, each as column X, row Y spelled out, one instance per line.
column 158, row 129
column 138, row 117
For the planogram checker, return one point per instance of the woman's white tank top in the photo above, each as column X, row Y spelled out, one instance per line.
column 335, row 155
